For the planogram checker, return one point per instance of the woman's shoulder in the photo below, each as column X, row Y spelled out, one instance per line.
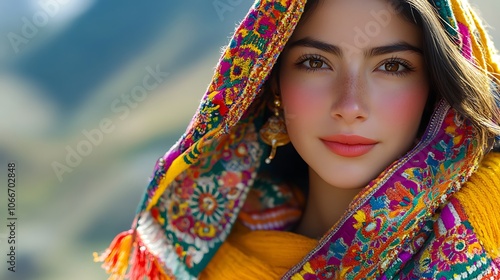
column 480, row 200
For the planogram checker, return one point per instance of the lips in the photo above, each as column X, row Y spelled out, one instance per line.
column 349, row 145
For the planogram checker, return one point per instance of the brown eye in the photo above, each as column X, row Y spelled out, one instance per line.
column 313, row 63
column 396, row 66
column 316, row 63
column 392, row 66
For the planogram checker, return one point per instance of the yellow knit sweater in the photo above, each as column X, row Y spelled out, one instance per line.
column 270, row 254
column 480, row 198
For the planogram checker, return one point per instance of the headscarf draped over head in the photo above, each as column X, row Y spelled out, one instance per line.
column 200, row 185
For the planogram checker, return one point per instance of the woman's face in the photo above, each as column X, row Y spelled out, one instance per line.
column 353, row 85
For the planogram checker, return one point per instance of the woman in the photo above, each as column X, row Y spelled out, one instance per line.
column 390, row 110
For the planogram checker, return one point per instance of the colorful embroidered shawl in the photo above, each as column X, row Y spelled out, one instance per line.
column 201, row 184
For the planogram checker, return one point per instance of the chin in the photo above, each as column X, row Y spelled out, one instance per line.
column 348, row 176
column 348, row 183
column 352, row 186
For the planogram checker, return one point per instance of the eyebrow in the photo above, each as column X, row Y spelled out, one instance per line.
column 336, row 50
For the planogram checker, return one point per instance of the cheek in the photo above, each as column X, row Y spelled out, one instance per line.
column 405, row 107
column 302, row 101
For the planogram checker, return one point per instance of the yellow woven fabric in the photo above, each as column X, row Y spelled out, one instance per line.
column 257, row 254
column 480, row 198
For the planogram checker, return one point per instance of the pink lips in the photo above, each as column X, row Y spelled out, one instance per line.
column 349, row 145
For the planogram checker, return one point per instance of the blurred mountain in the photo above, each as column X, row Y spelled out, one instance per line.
column 111, row 34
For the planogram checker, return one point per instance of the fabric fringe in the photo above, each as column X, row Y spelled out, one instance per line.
column 145, row 265
column 117, row 260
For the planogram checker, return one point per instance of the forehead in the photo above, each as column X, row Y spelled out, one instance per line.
column 362, row 23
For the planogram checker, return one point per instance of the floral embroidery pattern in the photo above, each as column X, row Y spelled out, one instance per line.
column 207, row 205
column 202, row 203
column 270, row 206
column 451, row 251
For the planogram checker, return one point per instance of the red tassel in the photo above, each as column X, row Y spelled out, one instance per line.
column 116, row 258
column 139, row 263
column 156, row 272
column 144, row 264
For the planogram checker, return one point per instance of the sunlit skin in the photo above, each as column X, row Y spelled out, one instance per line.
column 331, row 87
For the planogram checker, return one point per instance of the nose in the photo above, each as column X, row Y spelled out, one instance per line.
column 349, row 102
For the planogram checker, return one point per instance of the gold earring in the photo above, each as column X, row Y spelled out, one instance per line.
column 273, row 132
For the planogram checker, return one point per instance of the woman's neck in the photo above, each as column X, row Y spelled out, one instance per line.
column 324, row 207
